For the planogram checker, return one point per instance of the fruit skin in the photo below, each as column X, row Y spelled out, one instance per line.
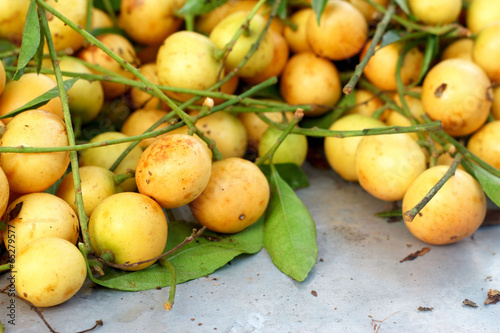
column 132, row 226
column 29, row 173
column 4, row 192
column 123, row 48
column 85, row 97
column 481, row 13
column 149, row 22
column 381, row 68
column 340, row 152
column 97, row 184
column 27, row 88
column 310, row 79
column 105, row 156
column 12, row 18
column 256, row 127
column 49, row 271
column 486, row 51
column 297, row 39
column 186, row 60
column 236, row 196
column 224, row 31
column 455, row 212
column 484, row 143
column 386, row 165
column 342, row 31
column 457, row 92
column 174, row 170
column 461, row 48
column 495, row 108
column 433, row 12
column 292, row 150
column 3, row 78
column 227, row 131
column 141, row 120
column 40, row 215
column 63, row 36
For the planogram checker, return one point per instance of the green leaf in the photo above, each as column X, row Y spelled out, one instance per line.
column 39, row 54
column 431, row 51
column 110, row 30
column 318, row 6
column 403, row 4
column 291, row 173
column 194, row 260
column 42, row 99
column 328, row 119
column 490, row 183
column 31, row 40
column 289, row 231
column 115, row 5
column 391, row 36
column 282, row 8
column 197, row 7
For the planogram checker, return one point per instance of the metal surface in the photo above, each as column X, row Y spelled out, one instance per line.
column 357, row 282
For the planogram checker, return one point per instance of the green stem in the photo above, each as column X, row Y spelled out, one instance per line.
column 88, row 22
column 408, row 216
column 73, row 156
column 5, row 267
column 371, row 49
column 318, row 132
column 89, row 145
column 173, row 284
column 189, row 19
column 270, row 153
column 468, row 155
column 120, row 178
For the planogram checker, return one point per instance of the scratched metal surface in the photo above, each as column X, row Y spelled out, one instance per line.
column 359, row 281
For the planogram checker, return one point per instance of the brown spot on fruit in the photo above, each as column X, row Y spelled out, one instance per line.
column 440, row 90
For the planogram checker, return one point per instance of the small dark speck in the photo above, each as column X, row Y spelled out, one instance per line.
column 314, row 293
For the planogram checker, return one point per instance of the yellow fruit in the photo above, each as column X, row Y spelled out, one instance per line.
column 132, row 226
column 455, row 212
column 174, row 170
column 485, row 143
column 297, row 39
column 486, row 51
column 457, row 92
column 386, row 165
column 141, row 120
column 436, row 12
column 341, row 33
column 461, row 48
column 340, row 152
column 236, row 196
column 481, row 13
column 49, row 271
column 38, row 215
column 310, row 79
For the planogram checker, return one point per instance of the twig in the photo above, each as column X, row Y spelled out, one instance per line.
column 371, row 49
column 34, row 307
column 188, row 239
column 408, row 216
column 171, row 295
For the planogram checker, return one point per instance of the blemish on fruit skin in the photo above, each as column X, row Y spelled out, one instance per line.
column 440, row 90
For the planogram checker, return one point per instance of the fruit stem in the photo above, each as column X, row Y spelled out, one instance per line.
column 288, row 128
column 408, row 216
column 219, row 54
column 73, row 156
column 88, row 21
column 5, row 267
column 371, row 49
column 318, row 132
column 173, row 284
column 120, row 178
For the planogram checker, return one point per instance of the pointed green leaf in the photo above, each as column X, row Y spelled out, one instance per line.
column 41, row 100
column 197, row 7
column 194, row 260
column 403, row 4
column 31, row 40
column 291, row 173
column 289, row 231
column 39, row 53
column 431, row 51
column 490, row 183
column 318, row 6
